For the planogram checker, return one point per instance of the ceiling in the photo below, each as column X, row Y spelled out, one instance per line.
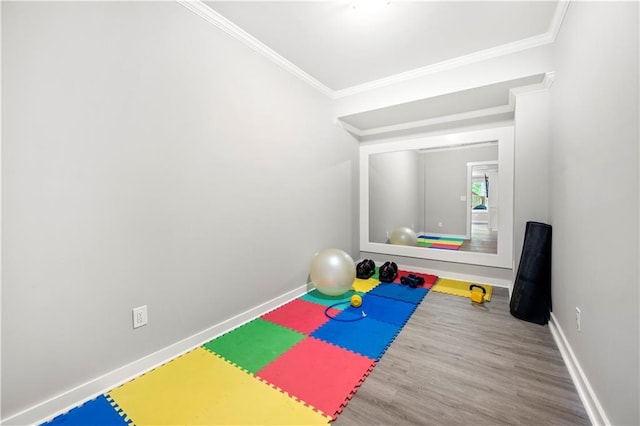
column 486, row 98
column 350, row 46
column 345, row 44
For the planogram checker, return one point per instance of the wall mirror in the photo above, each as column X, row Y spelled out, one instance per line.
column 457, row 188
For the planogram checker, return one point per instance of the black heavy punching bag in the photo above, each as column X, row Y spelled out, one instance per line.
column 531, row 297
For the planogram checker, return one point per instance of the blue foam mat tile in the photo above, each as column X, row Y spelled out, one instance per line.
column 392, row 311
column 368, row 337
column 95, row 412
column 400, row 292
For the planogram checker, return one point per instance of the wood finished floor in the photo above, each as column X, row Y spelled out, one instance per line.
column 455, row 363
column 482, row 240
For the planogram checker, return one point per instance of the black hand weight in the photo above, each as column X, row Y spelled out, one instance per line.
column 388, row 272
column 365, row 269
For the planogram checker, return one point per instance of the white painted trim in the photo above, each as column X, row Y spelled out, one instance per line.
column 201, row 9
column 487, row 112
column 483, row 55
column 549, row 78
column 65, row 401
column 587, row 395
column 461, row 146
column 529, row 43
column 1, row 133
column 213, row 17
column 470, row 166
column 532, row 88
column 505, row 138
column 348, row 127
column 558, row 18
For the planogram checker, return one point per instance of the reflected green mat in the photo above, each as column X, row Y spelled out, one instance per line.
column 255, row 344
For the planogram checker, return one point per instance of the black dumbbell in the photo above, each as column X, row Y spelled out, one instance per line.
column 388, row 272
column 412, row 281
column 365, row 269
column 419, row 279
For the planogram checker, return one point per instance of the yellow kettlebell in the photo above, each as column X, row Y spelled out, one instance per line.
column 477, row 296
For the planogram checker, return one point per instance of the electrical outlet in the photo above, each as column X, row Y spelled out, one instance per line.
column 439, row 224
column 140, row 316
column 578, row 319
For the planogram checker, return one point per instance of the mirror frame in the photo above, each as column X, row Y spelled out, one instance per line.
column 505, row 137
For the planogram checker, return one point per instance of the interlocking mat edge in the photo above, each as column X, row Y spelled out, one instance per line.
column 260, row 371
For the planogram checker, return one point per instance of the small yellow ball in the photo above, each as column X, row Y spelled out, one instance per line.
column 356, row 300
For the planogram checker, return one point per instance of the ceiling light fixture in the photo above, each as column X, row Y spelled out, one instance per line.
column 369, row 5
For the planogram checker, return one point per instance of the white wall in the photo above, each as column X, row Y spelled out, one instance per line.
column 594, row 186
column 147, row 158
column 531, row 172
column 393, row 193
column 445, row 181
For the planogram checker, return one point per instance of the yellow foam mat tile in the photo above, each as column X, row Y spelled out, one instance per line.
column 459, row 288
column 199, row 388
column 364, row 286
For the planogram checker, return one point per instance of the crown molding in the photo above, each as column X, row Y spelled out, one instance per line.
column 549, row 78
column 558, row 17
column 349, row 128
column 201, row 9
column 546, row 38
column 472, row 58
column 545, row 84
column 487, row 112
column 213, row 17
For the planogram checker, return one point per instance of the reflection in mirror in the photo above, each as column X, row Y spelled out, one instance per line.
column 439, row 192
column 455, row 191
column 483, row 208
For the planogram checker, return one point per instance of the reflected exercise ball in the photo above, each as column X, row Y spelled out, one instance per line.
column 403, row 237
column 333, row 272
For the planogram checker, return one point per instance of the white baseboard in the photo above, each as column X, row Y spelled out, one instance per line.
column 65, row 401
column 592, row 405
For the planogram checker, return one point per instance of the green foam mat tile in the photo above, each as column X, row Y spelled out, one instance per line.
column 254, row 344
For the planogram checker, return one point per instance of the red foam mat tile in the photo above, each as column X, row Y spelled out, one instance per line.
column 318, row 373
column 300, row 315
column 429, row 280
column 445, row 246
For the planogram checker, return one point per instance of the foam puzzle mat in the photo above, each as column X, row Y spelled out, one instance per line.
column 322, row 374
column 395, row 312
column 340, row 302
column 200, row 388
column 437, row 242
column 300, row 315
column 254, row 344
column 400, row 292
column 298, row 364
column 460, row 288
column 429, row 280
